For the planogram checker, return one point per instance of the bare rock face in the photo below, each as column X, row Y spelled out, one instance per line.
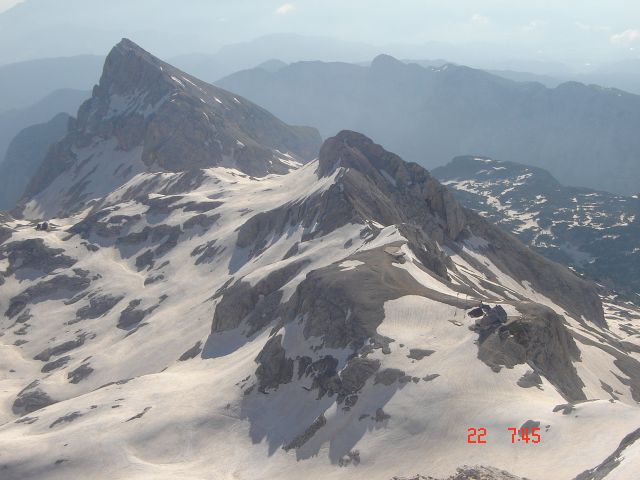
column 257, row 305
column 274, row 368
column 539, row 338
column 402, row 182
column 60, row 286
column 98, row 306
column 30, row 399
column 345, row 308
column 179, row 122
column 34, row 254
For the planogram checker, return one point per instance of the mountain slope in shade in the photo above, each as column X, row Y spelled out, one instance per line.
column 24, row 156
column 12, row 122
column 345, row 319
column 584, row 135
column 146, row 115
column 595, row 232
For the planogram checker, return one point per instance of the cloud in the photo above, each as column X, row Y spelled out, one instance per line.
column 480, row 20
column 7, row 4
column 285, row 8
column 626, row 38
column 534, row 25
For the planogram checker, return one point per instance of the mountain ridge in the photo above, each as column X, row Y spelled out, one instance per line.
column 430, row 115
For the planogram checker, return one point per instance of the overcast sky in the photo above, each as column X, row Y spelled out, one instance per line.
column 546, row 30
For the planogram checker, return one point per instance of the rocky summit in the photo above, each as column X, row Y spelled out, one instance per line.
column 147, row 116
column 186, row 292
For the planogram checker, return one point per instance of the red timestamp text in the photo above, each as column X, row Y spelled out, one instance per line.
column 518, row 435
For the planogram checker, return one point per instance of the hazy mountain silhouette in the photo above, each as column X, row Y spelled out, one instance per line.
column 25, row 154
column 584, row 135
column 13, row 121
column 24, row 83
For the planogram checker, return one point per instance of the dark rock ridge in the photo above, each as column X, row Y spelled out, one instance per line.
column 595, row 232
column 180, row 122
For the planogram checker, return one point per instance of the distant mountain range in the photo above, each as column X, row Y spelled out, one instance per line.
column 25, row 83
column 595, row 232
column 584, row 135
column 25, row 155
column 628, row 81
column 42, row 110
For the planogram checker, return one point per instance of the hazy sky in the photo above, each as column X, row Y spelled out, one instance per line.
column 546, row 30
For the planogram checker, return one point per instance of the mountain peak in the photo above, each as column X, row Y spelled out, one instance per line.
column 384, row 62
column 146, row 115
column 129, row 66
column 350, row 149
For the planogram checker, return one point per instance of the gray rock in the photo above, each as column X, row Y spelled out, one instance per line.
column 207, row 252
column 64, row 347
column 34, row 254
column 565, row 408
column 60, row 362
column 388, row 376
column 381, row 416
column 529, row 425
column 30, row 399
column 257, row 305
column 139, row 415
column 274, row 368
column 80, row 373
column 70, row 417
column 131, row 316
column 530, row 379
column 61, row 286
column 419, row 353
column 99, row 305
column 193, row 352
column 305, row 436
column 539, row 338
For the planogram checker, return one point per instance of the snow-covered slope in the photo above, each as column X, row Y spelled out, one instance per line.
column 347, row 319
column 597, row 233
